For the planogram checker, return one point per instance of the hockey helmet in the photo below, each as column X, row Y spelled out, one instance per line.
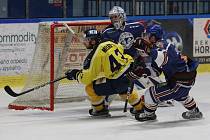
column 117, row 16
column 92, row 34
column 155, row 30
column 93, row 37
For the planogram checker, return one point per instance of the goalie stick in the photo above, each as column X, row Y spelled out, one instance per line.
column 14, row 94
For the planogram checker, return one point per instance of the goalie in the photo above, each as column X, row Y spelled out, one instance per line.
column 104, row 73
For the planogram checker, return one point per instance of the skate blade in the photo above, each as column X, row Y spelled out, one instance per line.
column 102, row 116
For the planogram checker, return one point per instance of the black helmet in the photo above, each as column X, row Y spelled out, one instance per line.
column 92, row 34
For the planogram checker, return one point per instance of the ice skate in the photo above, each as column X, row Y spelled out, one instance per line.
column 135, row 112
column 102, row 113
column 192, row 114
column 146, row 116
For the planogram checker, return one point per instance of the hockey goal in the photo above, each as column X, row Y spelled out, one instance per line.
column 57, row 50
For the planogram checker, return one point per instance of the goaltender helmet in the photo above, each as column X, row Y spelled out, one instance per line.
column 117, row 16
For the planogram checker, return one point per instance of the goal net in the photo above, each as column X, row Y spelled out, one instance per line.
column 57, row 50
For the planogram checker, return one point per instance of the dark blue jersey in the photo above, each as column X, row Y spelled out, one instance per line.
column 126, row 37
column 170, row 61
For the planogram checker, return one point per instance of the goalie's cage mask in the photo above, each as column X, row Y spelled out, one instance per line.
column 118, row 17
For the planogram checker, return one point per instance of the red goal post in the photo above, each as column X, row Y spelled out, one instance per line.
column 57, row 49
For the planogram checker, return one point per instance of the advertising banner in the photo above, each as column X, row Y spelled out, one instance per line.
column 17, row 44
column 179, row 32
column 201, row 39
column 78, row 51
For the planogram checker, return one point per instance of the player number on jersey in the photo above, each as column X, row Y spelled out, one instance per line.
column 114, row 60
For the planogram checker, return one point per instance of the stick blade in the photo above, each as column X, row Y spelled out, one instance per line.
column 10, row 91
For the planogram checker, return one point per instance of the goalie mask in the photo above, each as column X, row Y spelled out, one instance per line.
column 91, row 38
column 117, row 17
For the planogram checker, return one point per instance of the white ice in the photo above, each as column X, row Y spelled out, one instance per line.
column 71, row 121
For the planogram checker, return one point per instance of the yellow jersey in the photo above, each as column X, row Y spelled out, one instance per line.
column 108, row 61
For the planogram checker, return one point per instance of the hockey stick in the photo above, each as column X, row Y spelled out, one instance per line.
column 73, row 32
column 129, row 91
column 14, row 94
column 70, row 29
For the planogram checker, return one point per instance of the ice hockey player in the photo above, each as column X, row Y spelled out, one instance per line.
column 179, row 72
column 126, row 34
column 104, row 73
column 122, row 32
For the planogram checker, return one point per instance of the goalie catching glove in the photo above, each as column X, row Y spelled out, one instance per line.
column 138, row 69
column 72, row 74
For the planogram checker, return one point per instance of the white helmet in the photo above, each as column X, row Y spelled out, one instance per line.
column 117, row 17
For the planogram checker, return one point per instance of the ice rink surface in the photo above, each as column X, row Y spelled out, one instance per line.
column 70, row 121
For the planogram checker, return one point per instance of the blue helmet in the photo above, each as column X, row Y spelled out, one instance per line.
column 155, row 30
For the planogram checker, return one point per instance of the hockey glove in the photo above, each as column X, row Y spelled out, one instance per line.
column 141, row 43
column 136, row 73
column 72, row 74
column 138, row 69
